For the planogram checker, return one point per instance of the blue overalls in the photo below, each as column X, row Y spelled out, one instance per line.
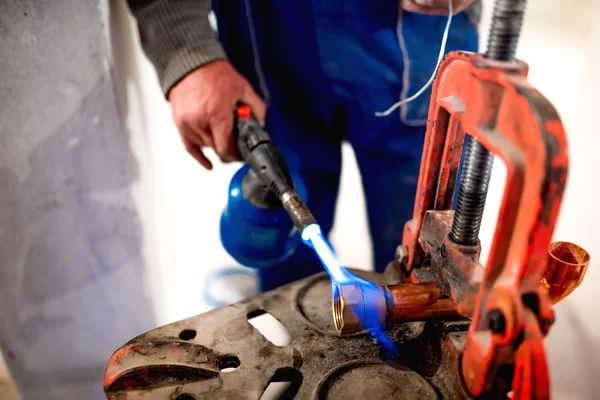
column 325, row 67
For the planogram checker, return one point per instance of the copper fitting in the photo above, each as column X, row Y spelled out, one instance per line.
column 356, row 305
column 567, row 265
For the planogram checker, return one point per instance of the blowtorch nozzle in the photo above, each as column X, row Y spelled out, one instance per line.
column 297, row 209
column 256, row 148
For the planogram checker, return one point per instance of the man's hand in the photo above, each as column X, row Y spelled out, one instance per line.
column 435, row 7
column 203, row 104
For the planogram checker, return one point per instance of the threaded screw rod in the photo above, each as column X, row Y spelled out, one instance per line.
column 505, row 30
column 474, row 185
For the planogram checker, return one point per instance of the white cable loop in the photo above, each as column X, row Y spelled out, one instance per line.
column 430, row 81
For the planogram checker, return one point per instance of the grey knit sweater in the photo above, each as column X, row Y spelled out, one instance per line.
column 177, row 37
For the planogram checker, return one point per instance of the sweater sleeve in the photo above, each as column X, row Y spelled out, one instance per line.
column 176, row 36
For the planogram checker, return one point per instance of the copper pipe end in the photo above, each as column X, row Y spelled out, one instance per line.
column 567, row 265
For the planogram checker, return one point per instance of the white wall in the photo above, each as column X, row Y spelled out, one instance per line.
column 561, row 48
column 574, row 343
column 72, row 275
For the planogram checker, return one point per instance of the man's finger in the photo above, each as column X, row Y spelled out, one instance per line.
column 435, row 7
column 410, row 6
column 203, row 134
column 195, row 151
column 256, row 104
column 429, row 3
column 190, row 134
column 193, row 145
column 221, row 126
column 462, row 5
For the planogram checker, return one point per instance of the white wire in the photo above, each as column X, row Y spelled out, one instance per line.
column 426, row 86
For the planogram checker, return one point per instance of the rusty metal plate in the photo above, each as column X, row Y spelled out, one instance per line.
column 220, row 355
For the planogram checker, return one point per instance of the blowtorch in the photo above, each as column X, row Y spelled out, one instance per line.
column 256, row 229
column 266, row 161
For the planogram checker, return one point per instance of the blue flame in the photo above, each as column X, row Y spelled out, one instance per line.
column 313, row 236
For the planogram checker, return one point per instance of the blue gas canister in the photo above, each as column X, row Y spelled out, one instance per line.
column 255, row 228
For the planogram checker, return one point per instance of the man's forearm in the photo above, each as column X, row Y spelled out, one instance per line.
column 176, row 36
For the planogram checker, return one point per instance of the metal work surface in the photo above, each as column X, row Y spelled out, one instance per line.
column 186, row 360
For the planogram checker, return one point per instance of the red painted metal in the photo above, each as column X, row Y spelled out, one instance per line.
column 494, row 103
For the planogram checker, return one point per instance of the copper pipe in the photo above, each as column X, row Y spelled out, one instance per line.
column 417, row 302
column 354, row 303
column 567, row 265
